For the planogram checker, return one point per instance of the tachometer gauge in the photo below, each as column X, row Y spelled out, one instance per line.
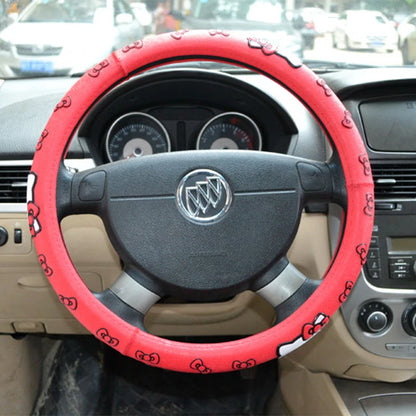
column 230, row 131
column 136, row 135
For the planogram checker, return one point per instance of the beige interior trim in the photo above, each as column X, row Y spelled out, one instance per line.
column 310, row 251
column 306, row 393
column 245, row 314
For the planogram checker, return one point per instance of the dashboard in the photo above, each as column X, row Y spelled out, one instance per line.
column 177, row 109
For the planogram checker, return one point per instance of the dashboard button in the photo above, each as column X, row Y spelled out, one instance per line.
column 373, row 253
column 385, row 206
column 400, row 260
column 92, row 187
column 374, row 274
column 399, row 267
column 373, row 264
column 400, row 275
column 17, row 236
column 374, row 241
column 398, row 347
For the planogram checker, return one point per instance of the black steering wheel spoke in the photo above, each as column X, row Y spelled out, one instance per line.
column 128, row 299
column 339, row 191
column 288, row 290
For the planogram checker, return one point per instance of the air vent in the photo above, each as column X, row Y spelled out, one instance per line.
column 395, row 180
column 13, row 182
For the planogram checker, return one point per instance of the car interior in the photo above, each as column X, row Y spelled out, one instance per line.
column 135, row 237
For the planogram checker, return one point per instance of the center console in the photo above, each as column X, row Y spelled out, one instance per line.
column 381, row 311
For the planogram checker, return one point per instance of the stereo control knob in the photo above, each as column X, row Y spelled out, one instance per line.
column 374, row 317
column 412, row 320
column 4, row 236
column 377, row 321
column 409, row 319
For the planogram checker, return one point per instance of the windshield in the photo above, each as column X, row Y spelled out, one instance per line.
column 62, row 12
column 260, row 11
column 66, row 37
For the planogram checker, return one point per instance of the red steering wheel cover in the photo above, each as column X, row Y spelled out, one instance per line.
column 264, row 58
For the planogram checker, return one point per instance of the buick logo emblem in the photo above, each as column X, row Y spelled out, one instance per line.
column 203, row 196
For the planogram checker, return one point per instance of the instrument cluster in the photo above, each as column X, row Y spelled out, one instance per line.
column 138, row 134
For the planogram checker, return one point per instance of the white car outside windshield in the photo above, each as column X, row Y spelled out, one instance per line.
column 61, row 37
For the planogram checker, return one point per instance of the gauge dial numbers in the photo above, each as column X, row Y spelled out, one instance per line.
column 136, row 135
column 230, row 131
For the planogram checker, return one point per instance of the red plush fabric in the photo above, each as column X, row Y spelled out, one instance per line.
column 264, row 58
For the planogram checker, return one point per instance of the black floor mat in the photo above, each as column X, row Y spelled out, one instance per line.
column 87, row 378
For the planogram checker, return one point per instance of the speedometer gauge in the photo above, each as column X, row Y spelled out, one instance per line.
column 230, row 131
column 136, row 135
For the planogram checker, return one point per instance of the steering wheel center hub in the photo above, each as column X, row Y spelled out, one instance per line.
column 201, row 225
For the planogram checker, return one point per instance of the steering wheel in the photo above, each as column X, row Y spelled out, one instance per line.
column 202, row 225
